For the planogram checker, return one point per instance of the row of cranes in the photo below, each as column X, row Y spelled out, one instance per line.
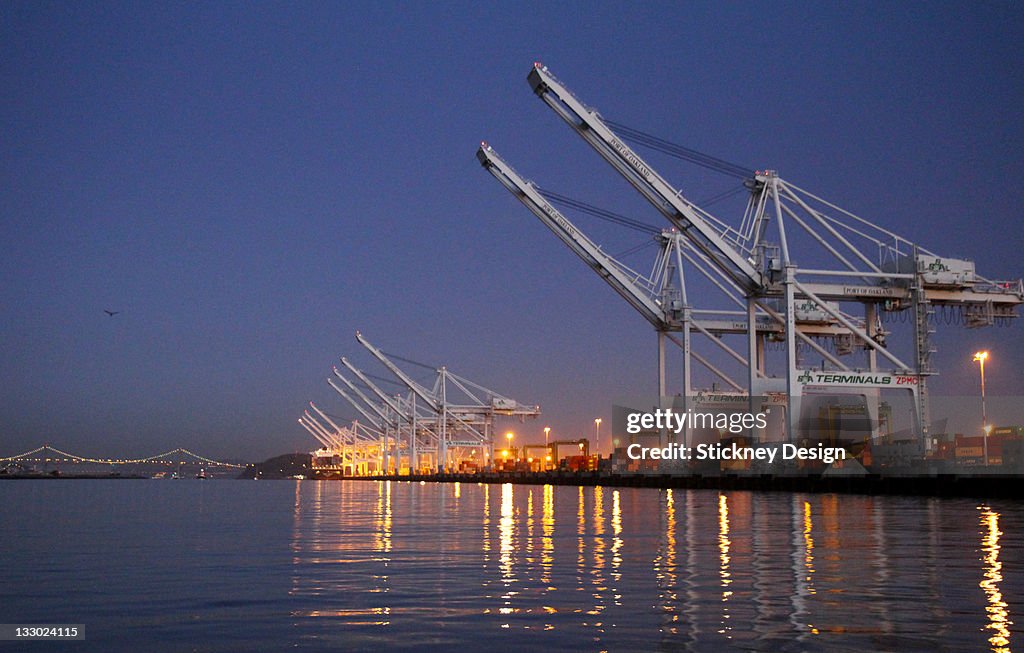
column 826, row 313
column 444, row 427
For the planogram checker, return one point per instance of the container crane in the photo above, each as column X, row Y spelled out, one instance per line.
column 401, row 413
column 384, row 422
column 660, row 298
column 458, row 425
column 761, row 265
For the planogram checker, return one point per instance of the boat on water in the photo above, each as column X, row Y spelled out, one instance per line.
column 201, row 474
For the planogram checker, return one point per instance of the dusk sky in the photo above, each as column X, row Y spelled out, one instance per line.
column 248, row 184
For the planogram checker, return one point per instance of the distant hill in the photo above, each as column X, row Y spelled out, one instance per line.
column 285, row 466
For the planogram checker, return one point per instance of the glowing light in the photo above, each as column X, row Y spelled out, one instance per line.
column 665, row 566
column 980, row 357
column 998, row 615
column 616, row 544
column 506, row 527
column 724, row 545
column 808, row 546
column 547, row 543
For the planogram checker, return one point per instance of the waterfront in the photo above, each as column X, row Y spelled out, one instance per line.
column 358, row 565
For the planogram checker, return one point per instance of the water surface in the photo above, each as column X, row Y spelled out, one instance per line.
column 268, row 566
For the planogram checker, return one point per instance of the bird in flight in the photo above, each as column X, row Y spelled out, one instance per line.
column 111, row 313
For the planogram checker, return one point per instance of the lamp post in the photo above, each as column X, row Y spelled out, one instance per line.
column 509, row 436
column 547, row 447
column 981, row 357
column 597, row 438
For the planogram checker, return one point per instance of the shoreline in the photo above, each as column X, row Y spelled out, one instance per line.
column 987, row 486
column 52, row 477
column 979, row 486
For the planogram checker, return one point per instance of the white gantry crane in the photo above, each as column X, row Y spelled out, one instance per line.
column 852, row 273
column 661, row 297
column 442, row 427
column 463, row 427
column 346, row 447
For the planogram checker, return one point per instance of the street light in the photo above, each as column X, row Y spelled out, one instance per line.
column 597, row 438
column 547, row 430
column 509, row 435
column 980, row 357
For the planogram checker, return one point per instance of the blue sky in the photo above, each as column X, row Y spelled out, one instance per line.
column 252, row 183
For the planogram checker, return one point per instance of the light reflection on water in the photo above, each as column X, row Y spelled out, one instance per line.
column 506, row 529
column 759, row 572
column 665, row 570
column 547, row 541
column 397, row 565
column 999, row 618
column 723, row 548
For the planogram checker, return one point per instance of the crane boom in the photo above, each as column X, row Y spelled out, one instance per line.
column 403, row 377
column 680, row 212
column 319, row 427
column 626, row 282
column 374, row 420
column 390, row 401
column 608, row 268
column 329, row 445
column 327, row 419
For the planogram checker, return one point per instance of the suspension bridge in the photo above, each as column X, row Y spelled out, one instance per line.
column 49, row 454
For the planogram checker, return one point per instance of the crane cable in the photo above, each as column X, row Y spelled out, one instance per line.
column 597, row 212
column 411, row 361
column 681, row 152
